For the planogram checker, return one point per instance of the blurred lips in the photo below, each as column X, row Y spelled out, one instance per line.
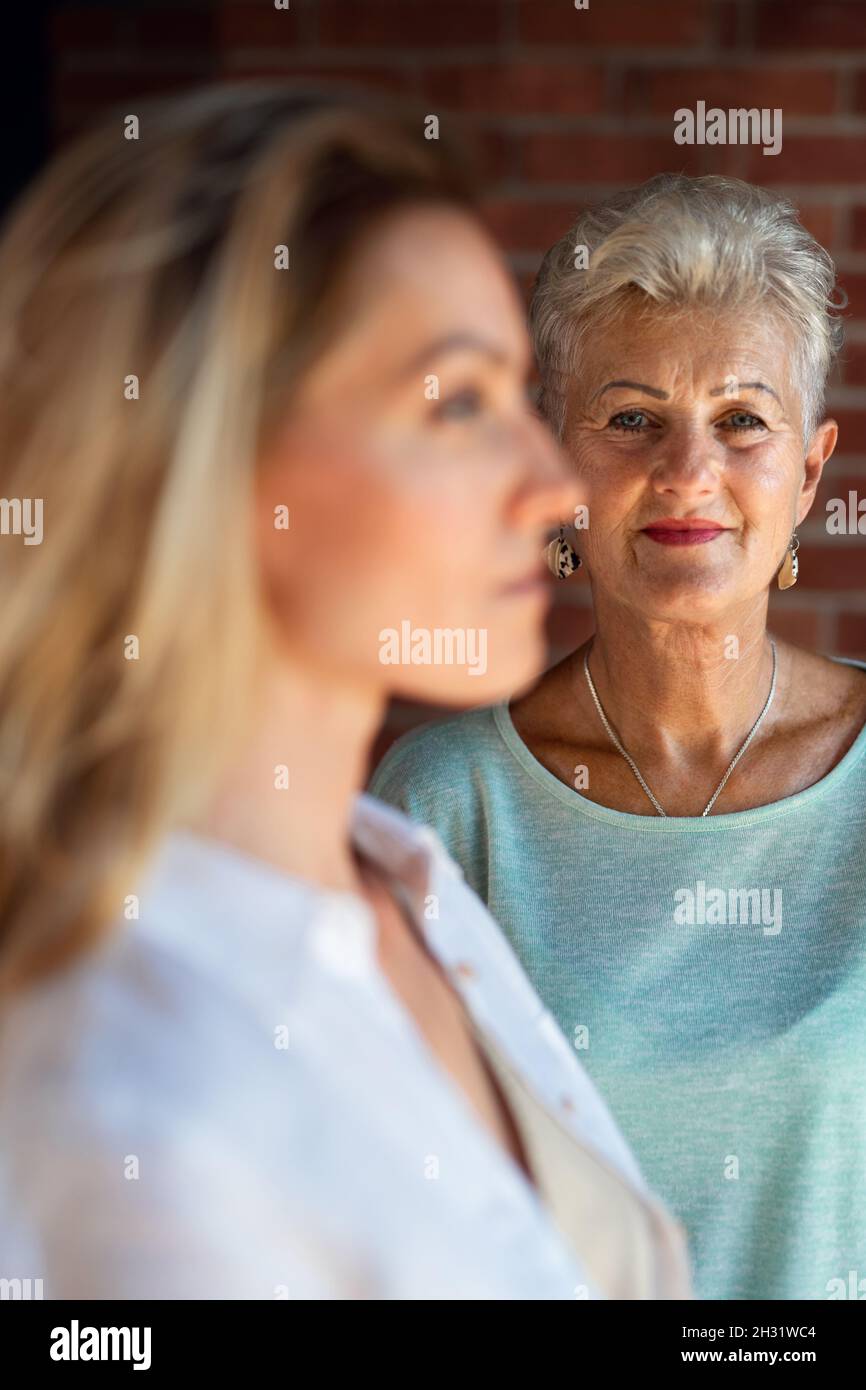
column 691, row 530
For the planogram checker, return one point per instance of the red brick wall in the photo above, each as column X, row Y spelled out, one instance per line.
column 568, row 106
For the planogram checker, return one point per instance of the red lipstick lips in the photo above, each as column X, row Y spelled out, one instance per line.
column 684, row 530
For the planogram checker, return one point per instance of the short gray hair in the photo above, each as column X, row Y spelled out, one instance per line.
column 687, row 242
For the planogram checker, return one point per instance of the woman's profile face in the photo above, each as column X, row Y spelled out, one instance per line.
column 689, row 419
column 420, row 484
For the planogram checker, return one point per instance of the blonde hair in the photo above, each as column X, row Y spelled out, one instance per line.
column 154, row 258
column 686, row 243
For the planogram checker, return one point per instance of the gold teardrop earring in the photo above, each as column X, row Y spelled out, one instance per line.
column 790, row 565
column 562, row 559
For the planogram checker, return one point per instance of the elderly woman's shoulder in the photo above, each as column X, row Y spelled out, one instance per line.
column 824, row 683
column 828, row 697
column 437, row 751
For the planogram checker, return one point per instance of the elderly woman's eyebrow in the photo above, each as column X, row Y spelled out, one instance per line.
column 663, row 395
column 745, row 386
column 633, row 386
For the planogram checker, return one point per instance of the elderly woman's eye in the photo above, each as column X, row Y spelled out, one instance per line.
column 742, row 420
column 629, row 420
column 460, row 405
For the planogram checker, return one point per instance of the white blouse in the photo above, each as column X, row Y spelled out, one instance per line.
column 229, row 1100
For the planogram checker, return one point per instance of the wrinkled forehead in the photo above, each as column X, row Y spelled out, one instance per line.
column 694, row 349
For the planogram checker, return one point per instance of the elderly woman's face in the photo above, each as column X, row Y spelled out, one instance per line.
column 687, row 436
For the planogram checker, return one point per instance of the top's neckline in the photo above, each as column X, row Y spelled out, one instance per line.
column 655, row 824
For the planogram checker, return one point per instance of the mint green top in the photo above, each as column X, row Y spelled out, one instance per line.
column 710, row 972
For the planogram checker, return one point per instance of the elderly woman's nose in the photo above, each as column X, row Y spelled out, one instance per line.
column 688, row 467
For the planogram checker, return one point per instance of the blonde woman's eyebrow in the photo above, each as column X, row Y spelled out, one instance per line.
column 455, row 342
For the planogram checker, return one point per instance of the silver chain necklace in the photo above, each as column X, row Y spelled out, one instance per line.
column 633, row 765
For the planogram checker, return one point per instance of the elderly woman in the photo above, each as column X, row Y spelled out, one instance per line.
column 670, row 825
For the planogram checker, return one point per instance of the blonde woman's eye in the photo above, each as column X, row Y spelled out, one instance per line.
column 632, row 421
column 461, row 405
column 741, row 420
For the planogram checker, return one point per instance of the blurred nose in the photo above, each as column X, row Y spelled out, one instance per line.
column 687, row 471
column 550, row 491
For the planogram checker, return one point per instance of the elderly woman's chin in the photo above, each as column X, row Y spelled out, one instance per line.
column 689, row 585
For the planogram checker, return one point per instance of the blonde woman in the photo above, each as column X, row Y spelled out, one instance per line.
column 267, row 374
column 670, row 825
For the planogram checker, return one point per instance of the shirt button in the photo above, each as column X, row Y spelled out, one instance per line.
column 465, row 970
column 567, row 1104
